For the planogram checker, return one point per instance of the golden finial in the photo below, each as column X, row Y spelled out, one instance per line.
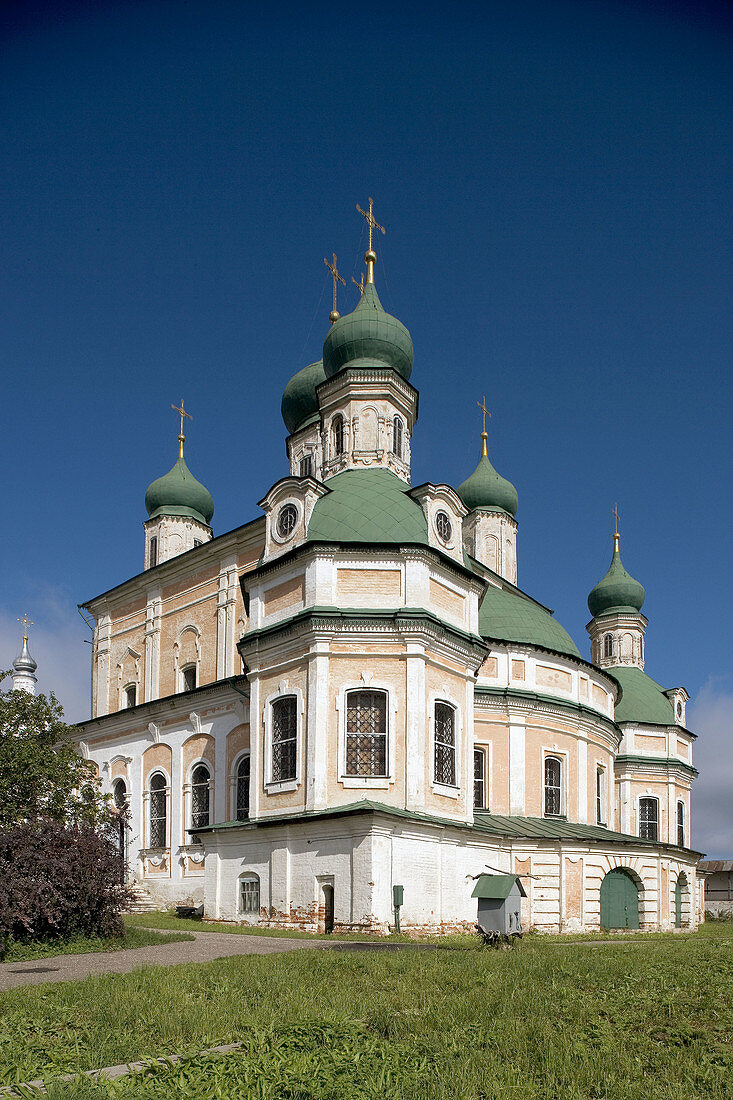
column 370, row 256
column 359, row 284
column 484, row 436
column 616, row 535
column 26, row 623
column 334, row 314
column 181, row 437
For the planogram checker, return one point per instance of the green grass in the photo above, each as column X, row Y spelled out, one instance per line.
column 651, row 1018
column 23, row 951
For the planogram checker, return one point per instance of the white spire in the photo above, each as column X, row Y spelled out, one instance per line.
column 24, row 678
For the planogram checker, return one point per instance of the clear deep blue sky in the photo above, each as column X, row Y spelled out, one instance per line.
column 555, row 179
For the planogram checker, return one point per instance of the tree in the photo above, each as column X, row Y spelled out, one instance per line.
column 41, row 773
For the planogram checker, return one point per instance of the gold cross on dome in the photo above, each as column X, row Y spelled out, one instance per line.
column 336, row 280
column 181, row 437
column 359, row 284
column 616, row 517
column 370, row 220
column 26, row 623
column 484, row 410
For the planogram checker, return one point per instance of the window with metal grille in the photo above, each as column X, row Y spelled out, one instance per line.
column 242, row 807
column 284, row 735
column 600, row 796
column 479, row 779
column 338, row 436
column 189, row 677
column 649, row 818
column 249, row 894
column 153, row 552
column 397, row 436
column 200, row 782
column 608, row 645
column 681, row 824
column 553, row 786
column 287, row 520
column 445, row 744
column 158, row 811
column 131, row 695
column 443, row 526
column 306, row 466
column 366, row 733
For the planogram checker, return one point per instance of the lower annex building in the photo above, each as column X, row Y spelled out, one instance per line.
column 352, row 694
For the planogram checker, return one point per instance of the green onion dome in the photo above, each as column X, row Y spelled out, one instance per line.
column 299, row 401
column 368, row 334
column 618, row 591
column 487, row 489
column 178, row 493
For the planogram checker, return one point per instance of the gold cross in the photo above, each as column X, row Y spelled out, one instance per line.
column 26, row 623
column 616, row 516
column 360, row 284
column 336, row 279
column 181, row 437
column 370, row 220
column 484, row 410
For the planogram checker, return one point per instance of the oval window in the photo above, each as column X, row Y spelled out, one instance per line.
column 287, row 521
column 443, row 526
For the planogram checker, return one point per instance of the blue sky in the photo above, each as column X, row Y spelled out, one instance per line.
column 555, row 179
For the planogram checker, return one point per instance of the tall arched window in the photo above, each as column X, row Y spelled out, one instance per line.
column 649, row 818
column 158, row 811
column 119, row 798
column 445, row 744
column 479, row 779
column 200, row 796
column 188, row 676
column 608, row 645
column 397, row 436
column 242, row 807
column 553, row 786
column 284, row 738
column 366, row 733
column 681, row 824
column 338, row 435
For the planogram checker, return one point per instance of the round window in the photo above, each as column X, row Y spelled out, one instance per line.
column 679, row 709
column 443, row 526
column 287, row 520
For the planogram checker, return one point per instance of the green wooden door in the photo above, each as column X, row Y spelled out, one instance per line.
column 619, row 901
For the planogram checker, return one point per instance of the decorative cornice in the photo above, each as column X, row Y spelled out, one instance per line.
column 150, row 714
column 534, row 701
column 655, row 763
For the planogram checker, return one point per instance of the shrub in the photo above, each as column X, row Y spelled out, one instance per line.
column 60, row 880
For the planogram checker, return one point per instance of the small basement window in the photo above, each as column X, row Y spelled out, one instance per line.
column 249, row 895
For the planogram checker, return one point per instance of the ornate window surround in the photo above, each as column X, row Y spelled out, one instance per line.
column 270, row 786
column 445, row 696
column 147, row 793
column 188, row 795
column 234, row 782
column 373, row 782
column 562, row 756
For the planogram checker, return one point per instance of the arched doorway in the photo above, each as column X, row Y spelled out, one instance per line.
column 681, row 901
column 119, row 797
column 328, row 913
column 619, row 900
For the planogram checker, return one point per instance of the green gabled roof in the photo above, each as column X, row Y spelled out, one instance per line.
column 367, row 506
column 498, row 887
column 510, row 617
column 643, row 700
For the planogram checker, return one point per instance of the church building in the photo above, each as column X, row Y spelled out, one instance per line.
column 340, row 714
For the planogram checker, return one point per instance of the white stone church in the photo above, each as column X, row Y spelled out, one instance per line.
column 352, row 693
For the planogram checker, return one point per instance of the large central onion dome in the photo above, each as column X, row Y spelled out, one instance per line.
column 485, row 488
column 300, row 401
column 618, row 591
column 178, row 493
column 368, row 334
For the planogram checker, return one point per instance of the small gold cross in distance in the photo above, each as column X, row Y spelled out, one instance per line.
column 26, row 623
column 484, row 410
column 336, row 278
column 371, row 221
column 182, row 412
column 359, row 284
column 616, row 516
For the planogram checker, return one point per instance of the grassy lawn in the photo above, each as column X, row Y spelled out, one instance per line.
column 651, row 1018
column 84, row 945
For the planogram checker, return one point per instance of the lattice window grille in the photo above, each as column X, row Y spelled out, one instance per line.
column 200, row 797
column 284, row 736
column 553, row 788
column 648, row 818
column 366, row 733
column 250, row 895
column 445, row 745
column 479, row 779
column 242, row 808
column 158, row 812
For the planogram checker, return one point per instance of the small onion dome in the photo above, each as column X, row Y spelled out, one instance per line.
column 299, row 401
column 487, row 489
column 24, row 663
column 368, row 333
column 178, row 493
column 618, row 591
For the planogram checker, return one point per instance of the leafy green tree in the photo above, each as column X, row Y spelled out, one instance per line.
column 42, row 775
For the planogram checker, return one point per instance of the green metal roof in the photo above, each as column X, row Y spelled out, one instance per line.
column 367, row 506
column 368, row 333
column 485, row 488
column 617, row 591
column 178, row 493
column 510, row 617
column 496, row 886
column 300, row 402
column 643, row 700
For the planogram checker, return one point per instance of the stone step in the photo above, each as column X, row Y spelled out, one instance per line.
column 141, row 901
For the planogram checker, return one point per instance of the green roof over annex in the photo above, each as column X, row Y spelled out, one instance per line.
column 643, row 700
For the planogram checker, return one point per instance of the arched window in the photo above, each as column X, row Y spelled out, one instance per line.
column 284, row 738
column 366, row 733
column 119, row 798
column 188, row 676
column 397, row 436
column 306, row 466
column 119, row 794
column 608, row 645
column 153, row 551
column 649, row 818
column 200, row 796
column 445, row 744
column 553, row 786
column 249, row 895
column 479, row 779
column 338, row 435
column 600, row 795
column 681, row 824
column 242, row 807
column 158, row 810
column 131, row 695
